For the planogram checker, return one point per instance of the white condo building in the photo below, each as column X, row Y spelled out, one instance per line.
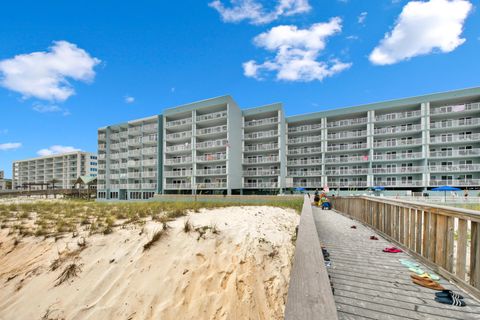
column 214, row 147
column 36, row 173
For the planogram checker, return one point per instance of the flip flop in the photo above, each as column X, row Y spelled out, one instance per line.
column 428, row 284
column 373, row 238
column 451, row 301
column 418, row 271
column 353, row 227
column 430, row 276
column 392, row 250
column 408, row 263
column 447, row 294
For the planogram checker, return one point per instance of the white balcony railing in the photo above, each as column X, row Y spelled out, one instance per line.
column 267, row 159
column 347, row 134
column 178, row 173
column 303, row 162
column 149, row 139
column 300, row 151
column 398, row 156
column 455, row 153
column 346, row 159
column 150, row 128
column 211, row 172
column 396, row 143
column 260, row 135
column 134, row 186
column 149, row 186
column 347, row 184
column 134, row 163
column 398, row 129
column 304, row 173
column 399, row 183
column 212, row 130
column 179, row 135
column 179, row 147
column 399, row 115
column 398, row 169
column 135, row 141
column 212, row 157
column 305, row 139
column 134, row 131
column 456, row 108
column 455, row 138
column 343, row 147
column 149, row 174
column 180, row 122
column 151, row 162
column 261, row 173
column 212, row 144
column 261, row 147
column 305, row 128
column 455, row 168
column 179, row 160
column 456, row 183
column 347, row 122
column 346, row 172
column 211, row 116
column 260, row 185
column 133, row 175
column 178, row 186
column 149, row 151
column 211, row 185
column 455, row 123
column 136, row 152
column 261, row 122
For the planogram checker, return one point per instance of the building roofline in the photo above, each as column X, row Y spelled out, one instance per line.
column 199, row 104
column 56, row 155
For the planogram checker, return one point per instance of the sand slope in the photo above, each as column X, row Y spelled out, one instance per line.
column 240, row 273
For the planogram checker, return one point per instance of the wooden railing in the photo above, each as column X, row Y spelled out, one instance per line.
column 447, row 239
column 309, row 294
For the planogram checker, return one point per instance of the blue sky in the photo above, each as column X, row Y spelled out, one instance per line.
column 67, row 68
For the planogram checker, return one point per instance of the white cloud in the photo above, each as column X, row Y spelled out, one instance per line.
column 56, row 149
column 49, row 108
column 10, row 146
column 361, row 18
column 256, row 13
column 44, row 75
column 129, row 99
column 297, row 51
column 423, row 28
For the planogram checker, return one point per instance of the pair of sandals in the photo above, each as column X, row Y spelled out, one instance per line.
column 450, row 297
column 426, row 282
column 326, row 257
column 392, row 250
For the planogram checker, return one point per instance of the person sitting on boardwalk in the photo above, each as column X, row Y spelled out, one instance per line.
column 316, row 199
column 325, row 203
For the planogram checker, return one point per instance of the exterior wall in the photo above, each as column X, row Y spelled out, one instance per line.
column 65, row 168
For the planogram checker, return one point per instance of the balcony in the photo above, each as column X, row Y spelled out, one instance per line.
column 212, row 116
column 347, row 122
column 455, row 168
column 135, row 186
column 304, row 139
column 178, row 186
column 399, row 115
column 268, row 159
column 102, row 146
column 399, row 129
column 180, row 122
column 212, row 157
column 457, row 108
column 304, row 162
column 133, row 175
column 102, row 137
column 347, row 184
column 150, row 128
column 473, row 137
column 459, row 123
column 304, row 173
column 456, row 183
column 305, row 128
column 147, row 163
column 211, row 172
column 307, row 184
column 211, row 185
column 351, row 159
column 119, row 186
column 178, row 135
column 135, row 141
column 149, row 174
column 212, row 144
column 261, row 173
column 149, row 139
column 134, row 131
column 397, row 156
column 101, row 187
column 260, row 122
column 398, row 170
column 181, row 160
column 260, row 185
column 149, row 151
column 304, row 151
column 346, row 172
column 455, row 153
column 394, row 183
column 260, row 135
column 149, row 186
column 212, row 130
column 178, row 173
column 261, row 147
column 180, row 147
column 135, row 153
column 347, row 135
column 396, row 143
column 101, row 157
column 346, row 147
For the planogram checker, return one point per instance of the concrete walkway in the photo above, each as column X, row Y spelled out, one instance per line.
column 371, row 284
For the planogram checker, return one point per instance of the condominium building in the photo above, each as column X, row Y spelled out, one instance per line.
column 212, row 146
column 5, row 184
column 62, row 170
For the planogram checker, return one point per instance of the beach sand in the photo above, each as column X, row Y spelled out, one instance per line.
column 240, row 272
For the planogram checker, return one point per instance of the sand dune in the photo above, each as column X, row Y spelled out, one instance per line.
column 240, row 272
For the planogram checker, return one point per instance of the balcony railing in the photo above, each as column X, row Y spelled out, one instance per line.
column 136, row 152
column 304, row 139
column 268, row 159
column 347, row 134
column 149, row 151
column 149, row 186
column 212, row 144
column 457, row 108
column 455, row 138
column 149, row 174
column 305, row 128
column 211, row 172
column 179, row 135
column 260, row 134
column 456, row 183
column 181, row 160
column 178, row 173
column 399, row 183
column 102, row 146
column 119, row 186
column 346, row 159
column 455, row 123
column 307, row 184
column 180, row 122
column 149, row 139
column 346, row 184
column 260, row 185
column 261, row 122
column 303, row 173
column 178, row 186
column 134, row 186
column 300, row 151
column 398, row 156
column 133, row 175
column 399, row 115
column 398, row 129
column 212, row 157
column 455, row 153
column 102, row 136
column 151, row 162
column 150, row 127
column 346, row 172
column 343, row 147
column 347, row 122
column 455, row 168
column 261, row 147
column 135, row 141
column 302, row 162
column 211, row 185
column 212, row 130
column 180, row 147
column 261, row 173
column 134, row 130
column 211, row 116
column 396, row 143
column 388, row 170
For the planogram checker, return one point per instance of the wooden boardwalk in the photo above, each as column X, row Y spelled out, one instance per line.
column 371, row 284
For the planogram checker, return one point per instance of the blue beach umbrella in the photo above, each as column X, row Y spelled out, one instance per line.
column 300, row 189
column 445, row 189
column 378, row 188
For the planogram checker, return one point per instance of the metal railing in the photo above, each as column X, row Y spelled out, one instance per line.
column 261, row 122
column 212, row 157
column 347, row 122
column 178, row 186
column 212, row 144
column 260, row 134
column 211, row 172
column 456, row 182
column 212, row 130
column 399, row 169
column 303, row 173
column 211, row 185
column 179, row 135
column 304, row 139
column 398, row 156
column 298, row 162
column 180, row 160
column 399, row 115
column 347, row 134
column 455, row 168
column 346, row 159
column 180, row 122
column 211, row 116
column 178, row 173
column 397, row 143
column 261, row 147
column 338, row 172
column 456, row 108
column 300, row 151
column 398, row 129
column 343, row 147
column 455, row 153
column 260, row 185
column 180, row 147
column 261, row 173
column 305, row 128
column 268, row 159
column 454, row 123
column 455, row 138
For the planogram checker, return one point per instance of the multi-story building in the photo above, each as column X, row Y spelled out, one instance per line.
column 61, row 170
column 213, row 147
column 5, row 184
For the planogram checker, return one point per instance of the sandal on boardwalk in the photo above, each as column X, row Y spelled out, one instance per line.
column 427, row 283
column 373, row 238
column 392, row 250
column 451, row 301
column 408, row 263
column 448, row 294
column 430, row 276
column 416, row 270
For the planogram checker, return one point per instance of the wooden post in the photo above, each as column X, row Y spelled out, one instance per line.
column 461, row 249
